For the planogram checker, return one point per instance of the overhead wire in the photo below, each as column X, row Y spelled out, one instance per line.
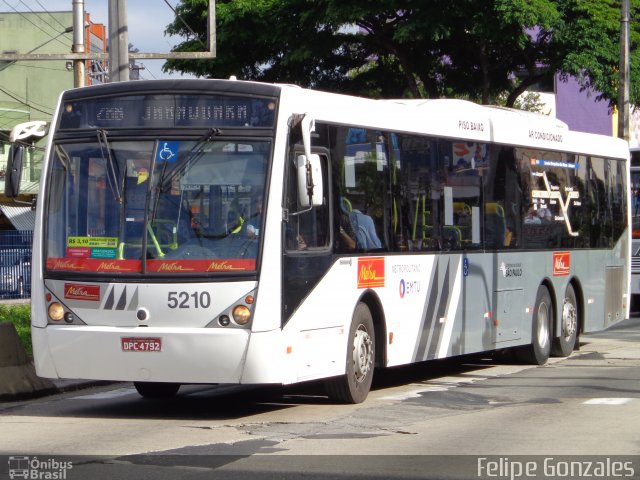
column 34, row 24
column 197, row 37
column 25, row 101
column 38, row 14
column 50, row 14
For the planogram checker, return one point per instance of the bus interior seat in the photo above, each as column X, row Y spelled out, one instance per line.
column 495, row 225
column 451, row 237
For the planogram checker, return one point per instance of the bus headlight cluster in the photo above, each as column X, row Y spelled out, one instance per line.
column 239, row 315
column 56, row 312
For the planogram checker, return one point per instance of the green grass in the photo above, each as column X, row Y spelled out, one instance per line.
column 20, row 316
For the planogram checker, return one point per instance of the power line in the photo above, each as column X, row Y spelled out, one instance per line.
column 50, row 14
column 24, row 102
column 197, row 37
column 34, row 24
column 22, row 65
column 55, row 30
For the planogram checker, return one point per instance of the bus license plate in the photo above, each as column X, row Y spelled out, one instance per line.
column 134, row 344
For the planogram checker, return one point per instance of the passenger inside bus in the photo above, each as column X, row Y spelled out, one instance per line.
column 253, row 219
column 359, row 229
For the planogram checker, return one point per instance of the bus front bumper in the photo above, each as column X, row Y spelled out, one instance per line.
column 185, row 355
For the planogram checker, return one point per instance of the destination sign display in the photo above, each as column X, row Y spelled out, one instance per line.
column 168, row 111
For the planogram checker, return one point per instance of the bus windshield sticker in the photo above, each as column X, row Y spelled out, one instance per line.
column 201, row 265
column 94, row 265
column 92, row 247
column 167, row 151
column 107, row 242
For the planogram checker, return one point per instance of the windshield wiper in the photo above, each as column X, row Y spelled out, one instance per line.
column 192, row 155
column 111, row 173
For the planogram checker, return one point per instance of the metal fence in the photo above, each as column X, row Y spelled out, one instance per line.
column 15, row 264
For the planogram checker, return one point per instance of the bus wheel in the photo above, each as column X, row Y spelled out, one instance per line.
column 565, row 343
column 537, row 353
column 353, row 387
column 156, row 389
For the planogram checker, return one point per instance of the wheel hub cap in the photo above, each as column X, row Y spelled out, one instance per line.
column 362, row 353
column 569, row 319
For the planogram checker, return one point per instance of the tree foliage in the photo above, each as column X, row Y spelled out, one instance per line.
column 477, row 49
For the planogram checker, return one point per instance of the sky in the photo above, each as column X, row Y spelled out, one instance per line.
column 147, row 22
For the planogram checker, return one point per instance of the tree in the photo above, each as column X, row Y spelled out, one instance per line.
column 477, row 49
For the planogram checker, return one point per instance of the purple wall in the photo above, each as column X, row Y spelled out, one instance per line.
column 580, row 109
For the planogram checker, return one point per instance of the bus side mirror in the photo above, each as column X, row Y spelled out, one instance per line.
column 309, row 168
column 13, row 174
column 310, row 191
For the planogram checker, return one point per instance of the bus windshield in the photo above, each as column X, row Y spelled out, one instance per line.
column 156, row 206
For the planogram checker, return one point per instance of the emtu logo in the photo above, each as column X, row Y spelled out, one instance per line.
column 561, row 263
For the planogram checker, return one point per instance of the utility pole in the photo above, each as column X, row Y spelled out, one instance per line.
column 118, row 41
column 623, row 87
column 78, row 43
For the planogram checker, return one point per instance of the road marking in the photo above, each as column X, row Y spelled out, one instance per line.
column 121, row 392
column 607, row 401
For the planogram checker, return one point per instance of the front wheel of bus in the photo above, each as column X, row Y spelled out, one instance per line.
column 565, row 343
column 537, row 353
column 156, row 389
column 353, row 387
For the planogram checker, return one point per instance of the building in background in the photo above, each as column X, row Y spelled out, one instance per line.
column 581, row 110
column 29, row 89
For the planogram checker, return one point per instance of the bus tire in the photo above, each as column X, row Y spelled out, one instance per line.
column 354, row 386
column 563, row 345
column 537, row 353
column 156, row 389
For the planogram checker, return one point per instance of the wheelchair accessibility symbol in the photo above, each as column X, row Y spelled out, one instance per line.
column 167, row 151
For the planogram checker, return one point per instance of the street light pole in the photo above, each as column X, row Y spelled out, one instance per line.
column 78, row 43
column 118, row 41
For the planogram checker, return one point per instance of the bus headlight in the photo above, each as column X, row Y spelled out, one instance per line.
column 56, row 312
column 241, row 314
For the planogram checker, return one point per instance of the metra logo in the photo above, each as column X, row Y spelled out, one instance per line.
column 370, row 272
column 174, row 267
column 561, row 263
column 217, row 266
column 65, row 265
column 74, row 291
column 113, row 267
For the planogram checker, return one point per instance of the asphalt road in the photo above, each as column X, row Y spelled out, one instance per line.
column 475, row 417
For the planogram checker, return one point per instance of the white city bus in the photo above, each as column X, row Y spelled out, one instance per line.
column 214, row 231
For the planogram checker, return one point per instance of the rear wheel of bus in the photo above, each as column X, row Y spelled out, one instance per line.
column 156, row 389
column 537, row 353
column 354, row 386
column 564, row 344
